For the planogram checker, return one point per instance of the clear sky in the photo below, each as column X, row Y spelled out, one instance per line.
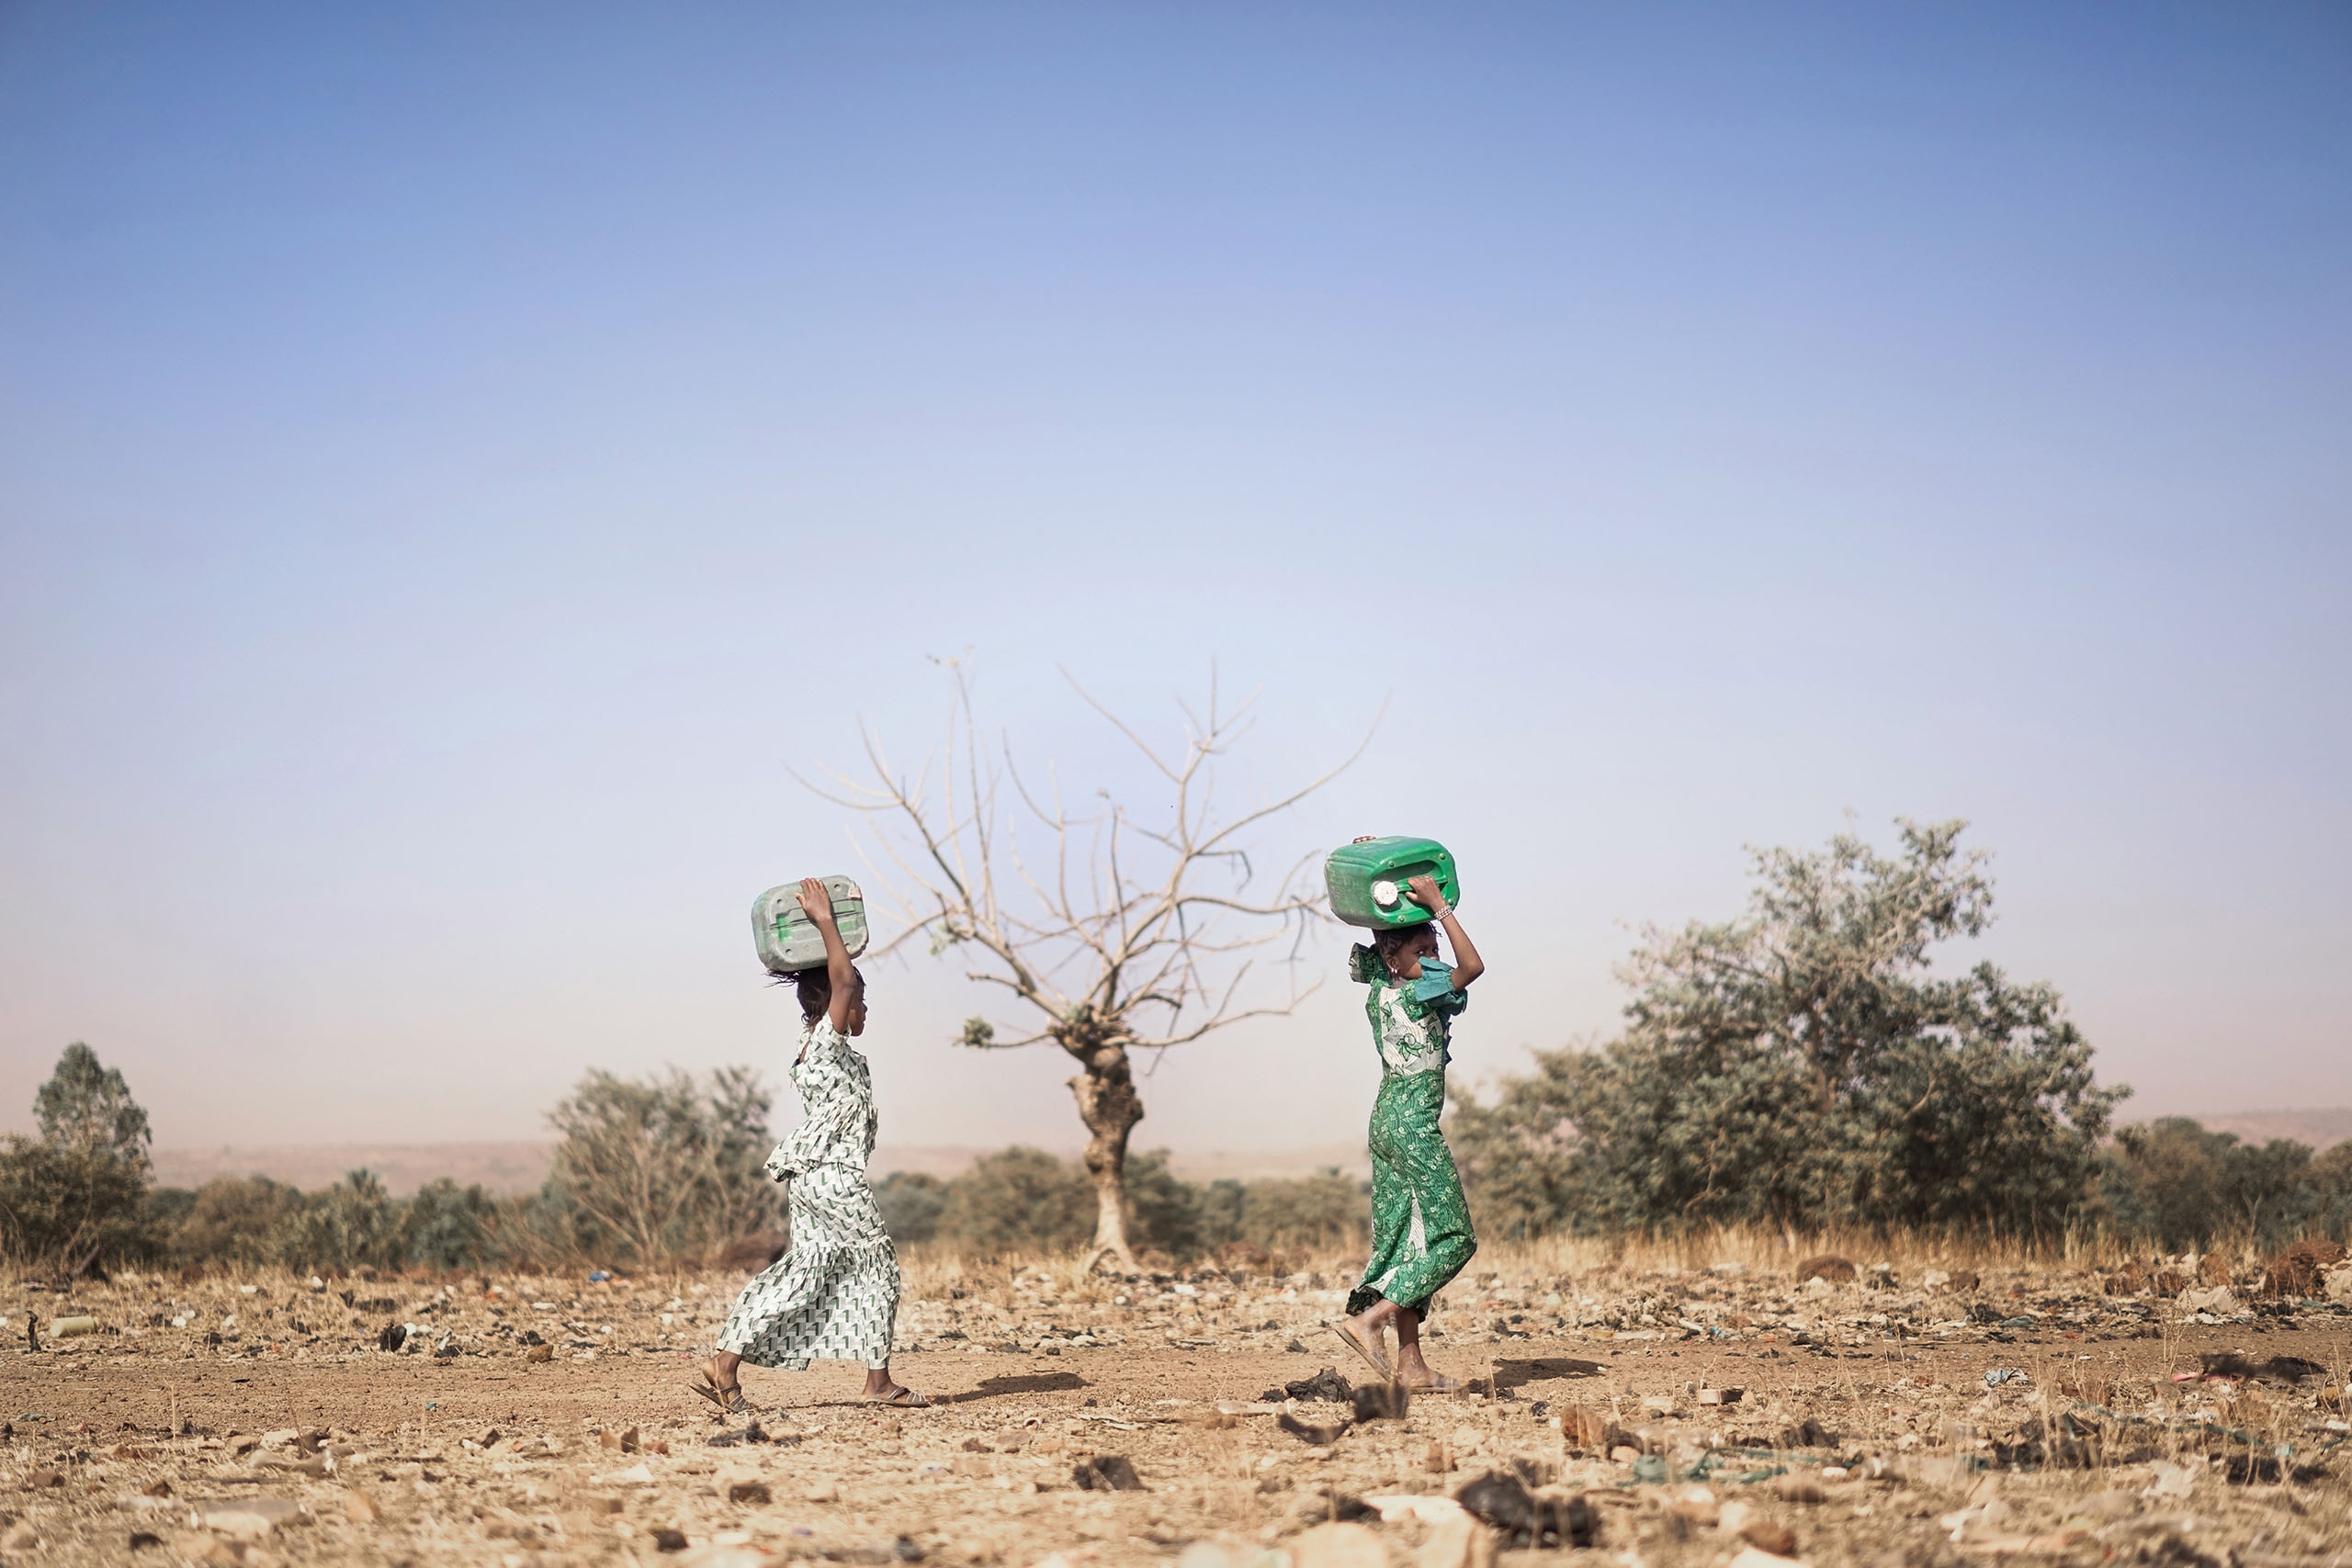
column 452, row 459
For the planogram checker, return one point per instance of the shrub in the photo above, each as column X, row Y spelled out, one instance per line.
column 1804, row 1066
column 911, row 1203
column 236, row 1219
column 659, row 1169
column 448, row 1227
column 2181, row 1186
column 1019, row 1200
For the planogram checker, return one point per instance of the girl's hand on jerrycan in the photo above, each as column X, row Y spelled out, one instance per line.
column 1423, row 890
column 817, row 904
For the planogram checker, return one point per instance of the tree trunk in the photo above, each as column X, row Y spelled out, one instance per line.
column 1108, row 1104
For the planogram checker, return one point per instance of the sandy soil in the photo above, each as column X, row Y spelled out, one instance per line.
column 259, row 1422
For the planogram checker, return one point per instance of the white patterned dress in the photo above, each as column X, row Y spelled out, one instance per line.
column 835, row 1295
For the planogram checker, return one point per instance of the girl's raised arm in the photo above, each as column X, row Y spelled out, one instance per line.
column 1467, row 965
column 818, row 905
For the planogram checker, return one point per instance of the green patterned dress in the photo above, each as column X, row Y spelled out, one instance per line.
column 1420, row 1225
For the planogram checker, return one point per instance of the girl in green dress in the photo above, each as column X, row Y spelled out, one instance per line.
column 1420, row 1226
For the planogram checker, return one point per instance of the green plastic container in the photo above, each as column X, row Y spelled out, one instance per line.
column 788, row 940
column 1367, row 880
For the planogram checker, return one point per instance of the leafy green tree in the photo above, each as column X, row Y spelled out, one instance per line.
column 1804, row 1064
column 86, row 1105
column 74, row 1197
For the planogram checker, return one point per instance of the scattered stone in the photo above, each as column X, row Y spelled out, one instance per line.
column 1525, row 1520
column 1837, row 1270
column 667, row 1540
column 621, row 1441
column 1381, row 1401
column 1314, row 1434
column 539, row 1353
column 748, row 1491
column 2278, row 1369
column 1583, row 1428
column 1339, row 1545
column 1107, row 1473
column 250, row 1518
column 1325, row 1384
column 1460, row 1542
column 360, row 1508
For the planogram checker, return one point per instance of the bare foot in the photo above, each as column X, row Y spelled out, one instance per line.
column 1362, row 1335
column 719, row 1385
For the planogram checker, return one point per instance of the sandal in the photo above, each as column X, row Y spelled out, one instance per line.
column 728, row 1397
column 1371, row 1355
column 905, row 1399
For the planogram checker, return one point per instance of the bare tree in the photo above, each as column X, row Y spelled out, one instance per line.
column 1126, row 935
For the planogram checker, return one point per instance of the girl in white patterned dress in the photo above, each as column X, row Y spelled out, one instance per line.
column 834, row 1296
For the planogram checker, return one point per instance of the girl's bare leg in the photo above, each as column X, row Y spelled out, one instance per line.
column 878, row 1384
column 1411, row 1370
column 721, row 1368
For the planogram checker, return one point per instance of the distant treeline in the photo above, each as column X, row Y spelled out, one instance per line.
column 645, row 1173
column 666, row 1171
column 1018, row 1202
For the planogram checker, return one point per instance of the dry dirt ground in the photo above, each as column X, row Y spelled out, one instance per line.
column 543, row 1421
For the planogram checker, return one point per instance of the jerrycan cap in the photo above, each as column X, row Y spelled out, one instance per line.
column 1383, row 893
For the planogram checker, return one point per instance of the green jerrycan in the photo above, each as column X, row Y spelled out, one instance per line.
column 1367, row 880
column 788, row 940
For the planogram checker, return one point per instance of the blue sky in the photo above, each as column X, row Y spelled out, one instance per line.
column 452, row 460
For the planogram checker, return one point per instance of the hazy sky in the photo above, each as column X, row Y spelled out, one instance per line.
column 453, row 460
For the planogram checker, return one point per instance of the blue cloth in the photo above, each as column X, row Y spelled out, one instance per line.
column 1436, row 981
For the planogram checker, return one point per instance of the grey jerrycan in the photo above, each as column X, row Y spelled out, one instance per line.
column 1367, row 879
column 788, row 940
